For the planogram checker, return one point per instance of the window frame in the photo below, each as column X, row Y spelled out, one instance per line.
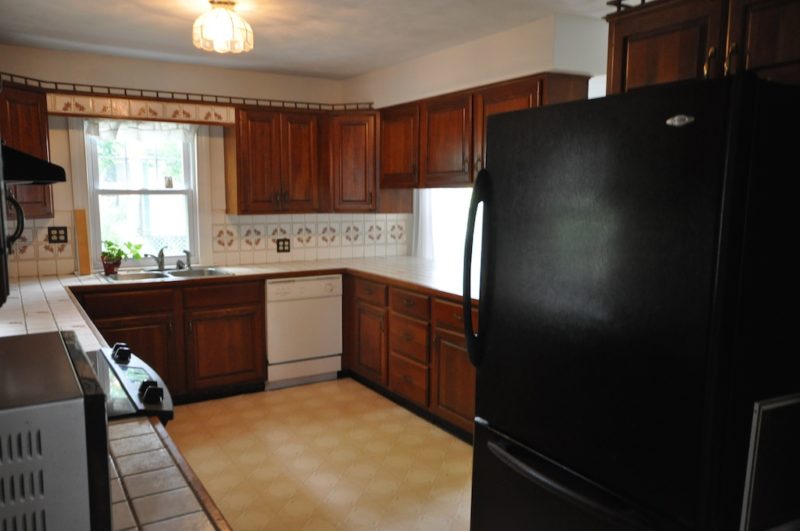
column 190, row 169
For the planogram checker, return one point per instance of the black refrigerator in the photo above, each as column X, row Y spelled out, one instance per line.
column 637, row 296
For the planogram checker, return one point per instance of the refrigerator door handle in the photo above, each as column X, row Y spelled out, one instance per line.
column 479, row 194
column 598, row 501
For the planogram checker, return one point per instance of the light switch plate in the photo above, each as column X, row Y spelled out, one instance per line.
column 57, row 235
column 284, row 245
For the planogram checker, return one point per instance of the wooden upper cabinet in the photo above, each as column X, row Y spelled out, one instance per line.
column 23, row 125
column 400, row 146
column 257, row 183
column 507, row 97
column 664, row 41
column 763, row 36
column 353, row 159
column 271, row 163
column 299, row 182
column 446, row 140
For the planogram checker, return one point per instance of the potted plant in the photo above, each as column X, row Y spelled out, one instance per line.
column 113, row 254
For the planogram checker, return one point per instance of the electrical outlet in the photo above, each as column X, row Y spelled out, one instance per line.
column 284, row 245
column 56, row 235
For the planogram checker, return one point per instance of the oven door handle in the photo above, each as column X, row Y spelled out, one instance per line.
column 20, row 215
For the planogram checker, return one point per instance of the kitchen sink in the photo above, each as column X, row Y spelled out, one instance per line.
column 142, row 275
column 199, row 272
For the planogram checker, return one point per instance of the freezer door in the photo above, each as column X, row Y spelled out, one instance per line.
column 517, row 489
column 600, row 243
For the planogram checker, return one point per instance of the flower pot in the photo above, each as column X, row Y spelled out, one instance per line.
column 110, row 266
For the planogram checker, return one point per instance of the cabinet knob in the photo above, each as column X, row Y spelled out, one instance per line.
column 407, row 337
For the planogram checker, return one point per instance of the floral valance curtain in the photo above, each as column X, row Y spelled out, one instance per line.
column 123, row 130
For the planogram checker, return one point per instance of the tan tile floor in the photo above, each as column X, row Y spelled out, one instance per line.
column 332, row 455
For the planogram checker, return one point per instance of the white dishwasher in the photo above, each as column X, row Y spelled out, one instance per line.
column 304, row 330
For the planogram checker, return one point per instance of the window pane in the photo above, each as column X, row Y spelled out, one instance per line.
column 153, row 160
column 152, row 220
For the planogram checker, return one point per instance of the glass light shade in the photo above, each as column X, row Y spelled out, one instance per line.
column 222, row 30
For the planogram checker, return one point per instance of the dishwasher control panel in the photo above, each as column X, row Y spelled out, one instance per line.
column 304, row 288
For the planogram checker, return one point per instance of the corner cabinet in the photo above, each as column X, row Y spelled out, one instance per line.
column 23, row 126
column 673, row 40
column 352, row 159
column 225, row 335
column 441, row 141
column 271, row 162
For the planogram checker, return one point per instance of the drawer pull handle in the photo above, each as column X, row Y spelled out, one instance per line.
column 368, row 290
column 407, row 379
column 459, row 317
column 407, row 337
column 408, row 303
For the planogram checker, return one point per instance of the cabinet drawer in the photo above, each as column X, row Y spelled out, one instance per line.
column 408, row 379
column 409, row 303
column 230, row 294
column 116, row 303
column 448, row 314
column 372, row 292
column 408, row 337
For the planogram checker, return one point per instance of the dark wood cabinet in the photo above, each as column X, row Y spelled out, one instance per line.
column 665, row 41
column 299, row 171
column 148, row 320
column 452, row 373
column 672, row 40
column 440, row 141
column 352, row 155
column 453, row 385
column 370, row 349
column 446, row 140
column 23, row 125
column 400, row 146
column 225, row 346
column 225, row 334
column 763, row 36
column 271, row 163
column 152, row 338
column 253, row 163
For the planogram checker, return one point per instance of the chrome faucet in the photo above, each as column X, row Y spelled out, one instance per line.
column 159, row 259
column 180, row 264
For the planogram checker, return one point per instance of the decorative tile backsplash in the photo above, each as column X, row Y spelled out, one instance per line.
column 245, row 240
column 33, row 256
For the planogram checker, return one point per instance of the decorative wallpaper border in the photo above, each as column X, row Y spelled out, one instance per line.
column 104, row 106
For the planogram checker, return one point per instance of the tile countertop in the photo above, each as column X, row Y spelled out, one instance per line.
column 43, row 304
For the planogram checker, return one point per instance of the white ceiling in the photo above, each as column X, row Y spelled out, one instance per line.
column 325, row 38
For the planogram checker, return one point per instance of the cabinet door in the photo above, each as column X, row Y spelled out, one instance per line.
column 665, row 41
column 353, row 157
column 23, row 126
column 225, row 346
column 299, row 182
column 453, row 380
column 446, row 140
column 515, row 96
column 259, row 162
column 370, row 359
column 400, row 146
column 152, row 338
column 763, row 36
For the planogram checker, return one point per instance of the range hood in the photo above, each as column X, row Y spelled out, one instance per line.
column 21, row 168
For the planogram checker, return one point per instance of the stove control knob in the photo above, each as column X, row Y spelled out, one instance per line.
column 150, row 392
column 121, row 353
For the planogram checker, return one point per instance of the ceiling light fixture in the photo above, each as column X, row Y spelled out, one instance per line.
column 222, row 30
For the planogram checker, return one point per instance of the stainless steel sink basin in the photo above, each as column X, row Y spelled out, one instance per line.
column 141, row 275
column 199, row 272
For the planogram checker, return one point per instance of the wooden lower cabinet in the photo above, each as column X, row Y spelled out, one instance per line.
column 370, row 349
column 225, row 346
column 452, row 379
column 152, row 338
column 408, row 379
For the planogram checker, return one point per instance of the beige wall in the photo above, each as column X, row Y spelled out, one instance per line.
column 76, row 67
column 566, row 44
